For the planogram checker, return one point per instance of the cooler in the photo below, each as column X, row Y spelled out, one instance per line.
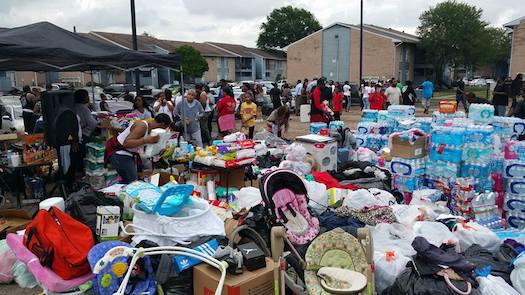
column 322, row 148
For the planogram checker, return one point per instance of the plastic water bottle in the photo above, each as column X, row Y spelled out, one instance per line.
column 442, row 169
column 479, row 134
column 475, row 169
column 477, row 152
column 485, row 210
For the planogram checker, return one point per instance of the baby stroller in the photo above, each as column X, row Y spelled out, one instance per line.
column 285, row 204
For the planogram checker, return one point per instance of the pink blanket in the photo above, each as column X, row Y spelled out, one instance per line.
column 45, row 276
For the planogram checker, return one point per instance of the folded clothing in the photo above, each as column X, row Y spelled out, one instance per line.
column 330, row 182
column 368, row 215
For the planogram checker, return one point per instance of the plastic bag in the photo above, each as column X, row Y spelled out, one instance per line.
column 318, row 196
column 295, row 152
column 388, row 265
column 6, row 263
column 517, row 276
column 154, row 149
column 363, row 198
column 474, row 233
column 408, row 214
column 248, row 197
column 435, row 233
column 493, row 285
column 394, row 236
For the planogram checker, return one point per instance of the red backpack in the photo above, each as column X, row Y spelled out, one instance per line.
column 60, row 242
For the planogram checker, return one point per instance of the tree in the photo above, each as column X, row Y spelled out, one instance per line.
column 146, row 34
column 286, row 25
column 193, row 64
column 452, row 33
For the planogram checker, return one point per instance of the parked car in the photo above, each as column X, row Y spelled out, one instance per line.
column 117, row 90
column 11, row 113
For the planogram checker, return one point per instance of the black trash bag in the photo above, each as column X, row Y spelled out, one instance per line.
column 423, row 280
column 82, row 205
column 482, row 257
column 181, row 284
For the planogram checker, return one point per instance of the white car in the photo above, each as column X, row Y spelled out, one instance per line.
column 12, row 113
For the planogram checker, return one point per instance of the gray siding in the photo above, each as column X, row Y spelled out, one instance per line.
column 336, row 53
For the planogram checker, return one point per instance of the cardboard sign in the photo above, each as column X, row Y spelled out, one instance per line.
column 36, row 150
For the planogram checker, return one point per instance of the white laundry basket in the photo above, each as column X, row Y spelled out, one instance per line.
column 194, row 220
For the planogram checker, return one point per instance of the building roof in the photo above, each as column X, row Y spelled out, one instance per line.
column 210, row 49
column 514, row 23
column 395, row 35
column 243, row 51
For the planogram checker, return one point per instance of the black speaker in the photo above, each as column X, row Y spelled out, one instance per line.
column 60, row 118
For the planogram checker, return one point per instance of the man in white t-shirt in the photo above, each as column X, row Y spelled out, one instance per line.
column 366, row 94
column 392, row 93
column 347, row 92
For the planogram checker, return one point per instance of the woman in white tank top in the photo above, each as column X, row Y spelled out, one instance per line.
column 123, row 149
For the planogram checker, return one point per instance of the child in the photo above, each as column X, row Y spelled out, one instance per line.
column 377, row 99
column 248, row 114
column 338, row 102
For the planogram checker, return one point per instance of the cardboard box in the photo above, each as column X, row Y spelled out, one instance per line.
column 108, row 218
column 405, row 149
column 235, row 178
column 12, row 220
column 322, row 148
column 9, row 136
column 259, row 282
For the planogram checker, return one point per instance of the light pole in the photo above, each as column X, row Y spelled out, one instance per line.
column 361, row 46
column 337, row 58
column 135, row 44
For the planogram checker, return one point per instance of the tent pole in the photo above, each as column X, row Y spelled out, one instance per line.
column 182, row 106
column 135, row 44
column 93, row 90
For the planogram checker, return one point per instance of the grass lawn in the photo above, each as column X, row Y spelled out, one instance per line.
column 451, row 93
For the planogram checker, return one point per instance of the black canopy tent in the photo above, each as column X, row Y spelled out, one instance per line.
column 44, row 47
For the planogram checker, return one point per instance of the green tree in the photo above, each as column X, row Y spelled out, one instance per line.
column 453, row 33
column 286, row 25
column 193, row 64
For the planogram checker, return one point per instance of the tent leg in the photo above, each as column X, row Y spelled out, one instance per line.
column 93, row 90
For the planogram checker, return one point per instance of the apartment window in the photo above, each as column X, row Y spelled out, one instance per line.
column 404, row 54
column 278, row 64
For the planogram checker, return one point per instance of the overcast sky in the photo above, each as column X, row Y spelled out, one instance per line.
column 232, row 21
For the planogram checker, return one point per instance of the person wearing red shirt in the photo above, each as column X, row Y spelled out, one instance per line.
column 317, row 110
column 377, row 99
column 337, row 101
column 226, row 111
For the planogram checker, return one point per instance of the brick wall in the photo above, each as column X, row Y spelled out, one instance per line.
column 211, row 74
column 518, row 50
column 304, row 58
column 378, row 57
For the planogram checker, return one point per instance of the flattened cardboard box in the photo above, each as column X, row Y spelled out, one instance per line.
column 12, row 220
column 404, row 149
column 259, row 282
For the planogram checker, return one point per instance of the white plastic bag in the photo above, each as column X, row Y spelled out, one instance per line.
column 154, row 149
column 407, row 214
column 388, row 265
column 248, row 197
column 318, row 196
column 517, row 276
column 435, row 233
column 492, row 285
column 393, row 236
column 474, row 233
column 363, row 198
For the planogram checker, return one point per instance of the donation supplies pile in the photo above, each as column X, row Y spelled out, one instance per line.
column 400, row 205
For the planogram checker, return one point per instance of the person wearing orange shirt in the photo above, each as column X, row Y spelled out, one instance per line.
column 337, row 101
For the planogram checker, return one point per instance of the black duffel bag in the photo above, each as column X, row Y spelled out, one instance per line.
column 82, row 205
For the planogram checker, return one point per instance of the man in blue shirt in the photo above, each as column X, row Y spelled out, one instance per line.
column 428, row 90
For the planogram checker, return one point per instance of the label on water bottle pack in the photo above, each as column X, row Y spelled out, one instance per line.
column 515, row 205
column 515, row 170
column 517, row 187
column 400, row 168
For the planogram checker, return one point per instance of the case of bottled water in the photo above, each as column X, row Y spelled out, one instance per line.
column 477, row 152
column 443, row 169
column 447, row 135
column 407, row 184
column 444, row 152
column 515, row 150
column 369, row 115
column 479, row 134
column 514, row 169
column 401, row 111
column 481, row 112
column 367, row 128
column 476, row 170
column 407, row 167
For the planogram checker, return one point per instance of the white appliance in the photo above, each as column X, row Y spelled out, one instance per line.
column 322, row 148
column 305, row 113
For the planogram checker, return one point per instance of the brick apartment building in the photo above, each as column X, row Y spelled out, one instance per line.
column 333, row 52
column 517, row 54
